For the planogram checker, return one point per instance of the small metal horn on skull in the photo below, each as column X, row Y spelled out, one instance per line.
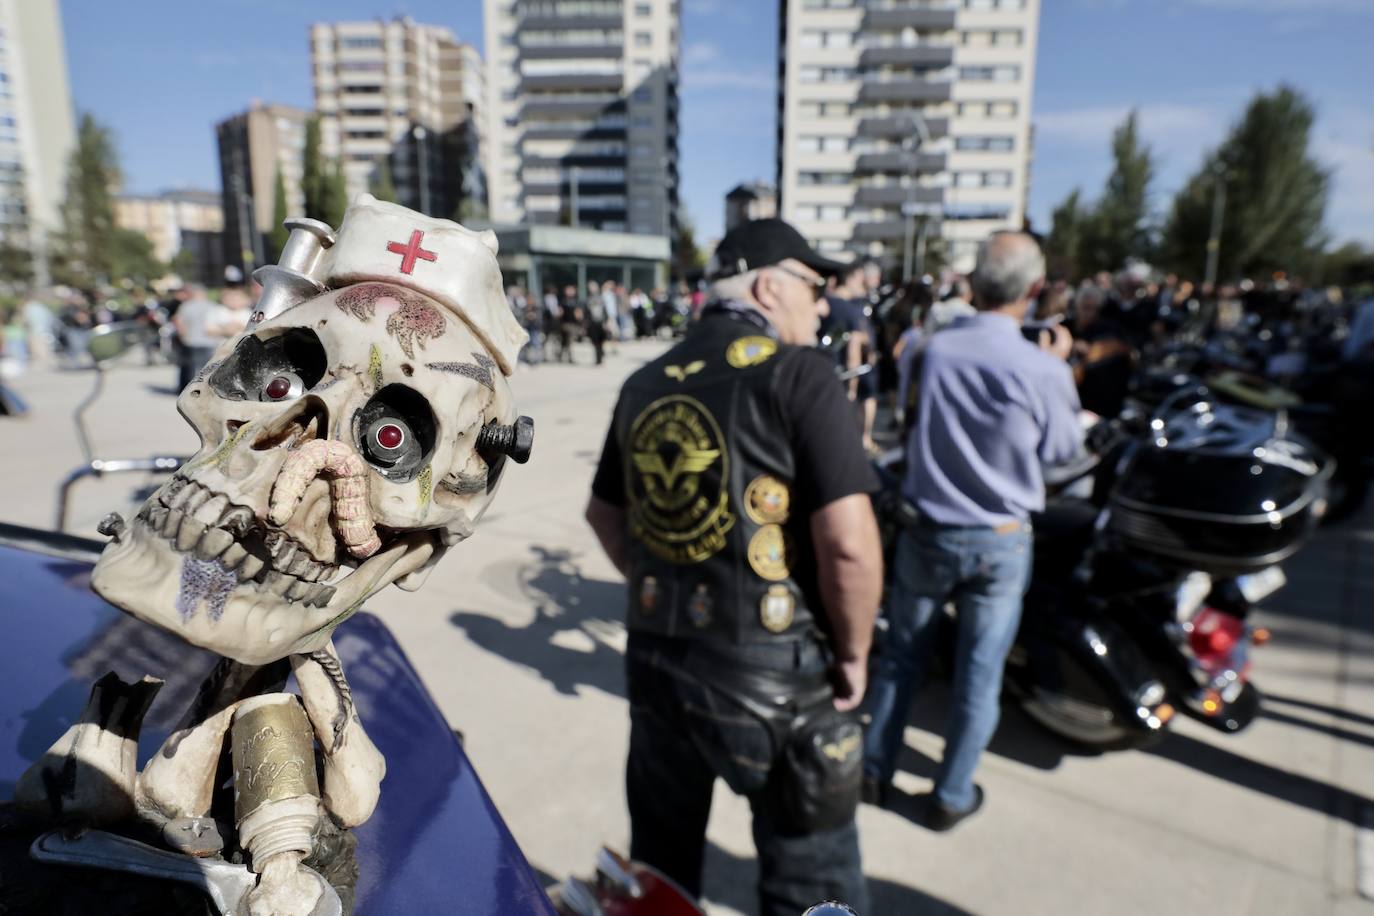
column 355, row 430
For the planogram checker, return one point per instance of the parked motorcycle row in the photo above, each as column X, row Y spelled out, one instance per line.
column 1229, row 449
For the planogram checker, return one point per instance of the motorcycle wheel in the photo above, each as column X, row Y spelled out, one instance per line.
column 1346, row 495
column 1087, row 719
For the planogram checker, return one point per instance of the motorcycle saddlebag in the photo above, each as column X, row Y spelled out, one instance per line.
column 1222, row 489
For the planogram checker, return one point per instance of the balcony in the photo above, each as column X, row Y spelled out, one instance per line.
column 591, row 160
column 571, row 81
column 910, row 56
column 899, row 161
column 900, row 126
column 915, row 17
column 880, row 231
column 551, row 106
column 584, row 188
column 575, row 132
column 572, row 52
column 914, row 90
column 565, row 23
column 896, row 195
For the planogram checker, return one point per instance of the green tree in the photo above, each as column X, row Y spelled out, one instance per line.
column 1351, row 266
column 313, row 174
column 82, row 253
column 1119, row 226
column 1067, row 223
column 333, row 196
column 276, row 238
column 1275, row 195
column 687, row 259
column 16, row 263
column 131, row 257
column 382, row 186
column 184, row 265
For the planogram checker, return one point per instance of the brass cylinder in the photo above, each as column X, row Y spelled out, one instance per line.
column 273, row 753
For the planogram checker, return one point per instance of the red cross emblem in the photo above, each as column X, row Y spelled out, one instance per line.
column 409, row 253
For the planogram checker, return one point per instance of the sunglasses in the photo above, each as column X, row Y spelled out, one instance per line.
column 817, row 285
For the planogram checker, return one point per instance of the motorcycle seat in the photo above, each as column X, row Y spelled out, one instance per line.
column 1064, row 522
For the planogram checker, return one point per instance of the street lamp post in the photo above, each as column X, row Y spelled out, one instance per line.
column 1209, row 279
column 422, row 166
column 916, row 139
column 574, row 173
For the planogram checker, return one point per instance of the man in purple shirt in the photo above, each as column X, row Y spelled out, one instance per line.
column 993, row 410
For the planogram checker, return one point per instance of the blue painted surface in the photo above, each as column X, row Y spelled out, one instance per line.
column 436, row 842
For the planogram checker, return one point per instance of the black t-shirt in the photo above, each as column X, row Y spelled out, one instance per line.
column 830, row 459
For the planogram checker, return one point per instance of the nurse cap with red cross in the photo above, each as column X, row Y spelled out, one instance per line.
column 453, row 265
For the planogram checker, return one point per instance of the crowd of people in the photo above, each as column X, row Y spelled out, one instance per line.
column 733, row 493
column 183, row 327
column 602, row 312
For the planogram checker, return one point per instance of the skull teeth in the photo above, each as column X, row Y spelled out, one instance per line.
column 198, row 521
column 172, row 523
column 189, row 534
column 249, row 568
column 213, row 543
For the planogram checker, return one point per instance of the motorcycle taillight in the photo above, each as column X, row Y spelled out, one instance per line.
column 1215, row 636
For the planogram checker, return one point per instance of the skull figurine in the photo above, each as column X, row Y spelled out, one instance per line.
column 339, row 450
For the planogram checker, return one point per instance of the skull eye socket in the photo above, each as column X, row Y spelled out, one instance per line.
column 396, row 432
column 280, row 367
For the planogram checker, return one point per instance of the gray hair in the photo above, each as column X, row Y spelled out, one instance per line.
column 1009, row 264
column 737, row 286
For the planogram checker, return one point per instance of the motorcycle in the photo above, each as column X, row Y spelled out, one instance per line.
column 1140, row 590
column 107, row 342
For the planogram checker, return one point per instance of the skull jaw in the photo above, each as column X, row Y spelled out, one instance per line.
column 145, row 575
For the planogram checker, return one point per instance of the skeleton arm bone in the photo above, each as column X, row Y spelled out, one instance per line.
column 353, row 767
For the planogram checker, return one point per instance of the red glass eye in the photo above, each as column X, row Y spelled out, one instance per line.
column 278, row 388
column 390, row 437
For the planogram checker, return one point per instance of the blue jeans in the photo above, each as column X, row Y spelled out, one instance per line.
column 985, row 574
column 686, row 729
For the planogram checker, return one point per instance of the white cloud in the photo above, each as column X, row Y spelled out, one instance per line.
column 700, row 52
column 1095, row 125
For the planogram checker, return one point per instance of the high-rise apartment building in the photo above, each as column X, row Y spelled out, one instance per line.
column 583, row 113
column 37, row 128
column 407, row 97
column 857, row 76
column 254, row 148
column 750, row 201
column 185, row 226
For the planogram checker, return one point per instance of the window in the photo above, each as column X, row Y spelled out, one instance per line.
column 826, row 38
column 641, row 121
column 360, row 42
column 361, row 65
column 643, row 39
column 814, row 144
column 643, row 9
column 824, row 178
column 1006, row 73
column 999, row 179
column 985, row 144
column 644, row 94
column 827, row 74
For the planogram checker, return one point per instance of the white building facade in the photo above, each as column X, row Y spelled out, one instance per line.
column 857, row 76
column 37, row 126
column 583, row 113
column 406, row 93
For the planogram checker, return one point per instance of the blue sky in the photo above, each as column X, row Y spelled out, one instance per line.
column 162, row 72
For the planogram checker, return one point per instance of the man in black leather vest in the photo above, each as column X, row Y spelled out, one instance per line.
column 732, row 493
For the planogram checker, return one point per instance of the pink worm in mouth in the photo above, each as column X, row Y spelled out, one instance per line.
column 347, row 473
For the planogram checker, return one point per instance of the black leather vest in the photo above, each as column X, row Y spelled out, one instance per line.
column 718, row 549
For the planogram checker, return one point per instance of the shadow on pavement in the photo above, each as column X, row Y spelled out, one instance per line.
column 730, row 880
column 577, row 625
column 162, row 389
column 1293, row 788
column 1318, row 707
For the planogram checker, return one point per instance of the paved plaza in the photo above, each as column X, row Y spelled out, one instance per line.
column 518, row 635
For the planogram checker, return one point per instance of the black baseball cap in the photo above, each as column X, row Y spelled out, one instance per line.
column 763, row 242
